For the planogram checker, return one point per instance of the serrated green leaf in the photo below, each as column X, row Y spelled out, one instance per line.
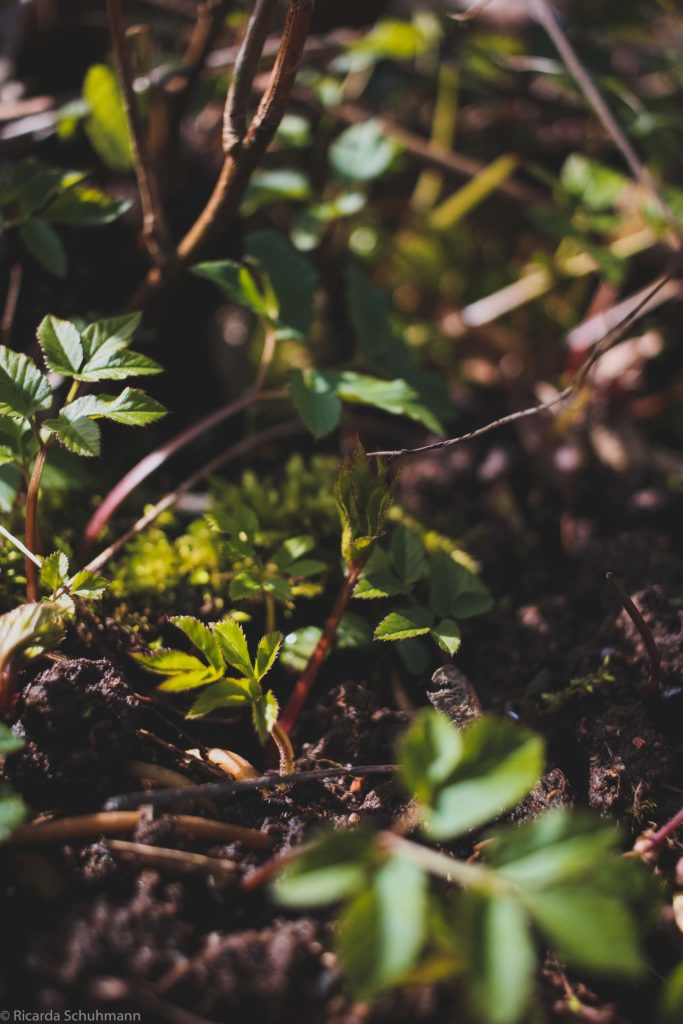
column 403, row 624
column 291, row 550
column 331, row 868
column 264, row 712
column 381, row 933
column 280, row 588
column 115, row 332
column 188, row 681
column 107, row 125
column 363, row 151
column 233, row 644
column 61, row 345
column 447, row 635
column 77, row 433
column 45, row 245
column 266, row 653
column 378, row 578
column 29, row 629
column 502, row 957
column 118, row 365
column 86, row 584
column 132, row 408
column 24, row 390
column 315, row 399
column 428, row 753
column 54, row 571
column 167, row 662
column 244, row 586
column 499, row 766
column 202, row 638
column 227, row 693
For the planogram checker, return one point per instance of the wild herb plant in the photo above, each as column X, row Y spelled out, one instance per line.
column 224, row 648
column 410, row 912
column 98, row 352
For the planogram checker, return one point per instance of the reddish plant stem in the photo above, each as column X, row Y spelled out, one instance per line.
column 636, row 617
column 32, row 523
column 305, row 682
column 662, row 834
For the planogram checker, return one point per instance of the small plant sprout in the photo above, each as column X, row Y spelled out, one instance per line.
column 97, row 353
column 558, row 878
column 26, row 632
column 363, row 496
column 263, row 571
column 224, row 647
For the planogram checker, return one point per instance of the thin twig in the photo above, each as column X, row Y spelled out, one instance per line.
column 144, row 771
column 543, row 13
column 154, row 227
column 89, row 826
column 210, row 18
column 185, row 759
column 241, row 448
column 155, row 459
column 166, row 798
column 636, row 617
column 161, row 856
column 244, row 72
column 578, row 381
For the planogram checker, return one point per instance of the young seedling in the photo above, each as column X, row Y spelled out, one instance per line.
column 363, row 497
column 265, row 570
column 558, row 877
column 224, row 647
column 98, row 352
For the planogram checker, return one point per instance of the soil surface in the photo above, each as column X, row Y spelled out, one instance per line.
column 95, row 929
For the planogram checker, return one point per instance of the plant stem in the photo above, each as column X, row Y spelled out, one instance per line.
column 244, row 72
column 440, row 864
column 285, row 749
column 155, row 230
column 305, row 682
column 161, row 856
column 271, row 613
column 662, row 834
column 641, row 625
column 32, row 522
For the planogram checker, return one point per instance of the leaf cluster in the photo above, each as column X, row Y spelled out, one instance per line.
column 223, row 647
column 556, row 881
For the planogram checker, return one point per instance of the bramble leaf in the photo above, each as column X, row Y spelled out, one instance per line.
column 202, row 638
column 24, row 390
column 61, row 345
column 403, row 624
column 502, row 956
column 447, row 635
column 75, row 431
column 226, row 693
column 266, row 654
column 54, row 571
column 237, row 282
column 233, row 644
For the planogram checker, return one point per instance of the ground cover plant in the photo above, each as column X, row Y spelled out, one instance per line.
column 347, row 688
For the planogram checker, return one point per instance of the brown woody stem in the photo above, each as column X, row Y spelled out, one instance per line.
column 305, row 682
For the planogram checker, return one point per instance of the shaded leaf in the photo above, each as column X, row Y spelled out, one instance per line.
column 447, row 635
column 292, row 277
column 61, row 345
column 502, row 957
column 202, row 638
column 331, row 868
column 45, row 245
column 315, row 399
column 264, row 712
column 24, row 390
column 400, row 625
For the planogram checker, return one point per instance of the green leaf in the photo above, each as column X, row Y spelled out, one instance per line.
column 202, row 638
column 671, row 1002
column 291, row 550
column 408, row 555
column 597, row 186
column 227, row 693
column 61, row 345
column 332, row 868
column 188, row 680
column 502, row 957
column 447, row 635
column 107, row 125
column 119, row 366
column 76, row 432
column 264, row 712
column 314, row 397
column 393, row 396
column 401, row 625
column 24, row 390
column 371, row 316
column 453, row 590
column 292, row 277
column 363, row 151
column 233, row 644
column 589, row 929
column 381, row 933
column 378, row 578
column 266, row 653
column 132, row 408
column 500, row 764
column 9, row 743
column 244, row 586
column 113, row 333
column 86, row 584
column 166, row 662
column 54, row 571
column 428, row 753
column 363, row 496
column 553, row 848
column 237, row 283
column 45, row 245
column 281, row 184
column 7, row 456
column 28, row 630
column 13, row 812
